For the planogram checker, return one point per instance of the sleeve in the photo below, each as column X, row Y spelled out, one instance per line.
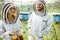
column 48, row 26
column 1, row 30
column 29, row 22
column 30, row 28
column 20, row 29
column 2, row 33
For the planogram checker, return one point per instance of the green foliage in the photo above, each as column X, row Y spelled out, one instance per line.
column 53, row 35
column 1, row 39
column 1, row 4
column 26, row 8
column 54, row 7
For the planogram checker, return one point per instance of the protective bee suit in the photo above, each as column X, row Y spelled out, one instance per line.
column 39, row 24
column 6, row 26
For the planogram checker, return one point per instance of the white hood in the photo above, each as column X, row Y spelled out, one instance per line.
column 43, row 3
column 5, row 9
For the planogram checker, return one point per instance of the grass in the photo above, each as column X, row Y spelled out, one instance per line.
column 53, row 35
column 24, row 23
column 0, row 38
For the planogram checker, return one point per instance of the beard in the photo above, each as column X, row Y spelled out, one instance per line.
column 40, row 9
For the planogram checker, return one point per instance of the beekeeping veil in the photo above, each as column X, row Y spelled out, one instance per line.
column 5, row 10
column 42, row 2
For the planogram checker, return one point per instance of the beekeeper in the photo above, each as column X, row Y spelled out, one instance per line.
column 40, row 22
column 10, row 23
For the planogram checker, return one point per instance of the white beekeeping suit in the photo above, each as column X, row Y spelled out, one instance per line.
column 5, row 26
column 39, row 24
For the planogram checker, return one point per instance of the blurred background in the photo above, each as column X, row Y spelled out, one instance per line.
column 26, row 8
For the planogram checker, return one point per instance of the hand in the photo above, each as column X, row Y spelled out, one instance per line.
column 12, row 32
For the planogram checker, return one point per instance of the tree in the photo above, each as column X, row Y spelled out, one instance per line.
column 1, row 4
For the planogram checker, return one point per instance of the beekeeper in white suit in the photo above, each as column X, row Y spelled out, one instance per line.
column 10, row 23
column 40, row 22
